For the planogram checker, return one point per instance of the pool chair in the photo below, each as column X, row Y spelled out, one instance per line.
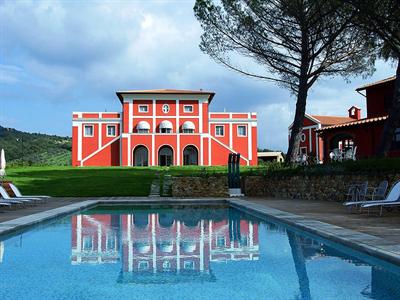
column 5, row 197
column 391, row 197
column 379, row 192
column 392, row 200
column 18, row 194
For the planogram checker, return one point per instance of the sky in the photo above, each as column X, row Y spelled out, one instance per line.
column 62, row 56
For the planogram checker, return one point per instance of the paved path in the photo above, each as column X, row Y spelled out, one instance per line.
column 8, row 214
column 387, row 226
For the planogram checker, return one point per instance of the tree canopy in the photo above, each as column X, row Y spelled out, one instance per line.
column 295, row 41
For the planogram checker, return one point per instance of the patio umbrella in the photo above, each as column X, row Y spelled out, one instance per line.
column 2, row 163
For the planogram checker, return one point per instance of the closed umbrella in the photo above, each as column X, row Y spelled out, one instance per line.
column 2, row 163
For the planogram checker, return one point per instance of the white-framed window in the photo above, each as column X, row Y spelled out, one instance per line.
column 88, row 131
column 187, row 130
column 143, row 130
column 188, row 265
column 165, row 108
column 143, row 108
column 219, row 130
column 111, row 130
column 188, row 108
column 242, row 130
column 143, row 265
column 87, row 243
column 303, row 137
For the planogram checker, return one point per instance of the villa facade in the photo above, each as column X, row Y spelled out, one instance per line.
column 163, row 127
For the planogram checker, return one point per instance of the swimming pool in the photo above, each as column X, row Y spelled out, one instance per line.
column 184, row 252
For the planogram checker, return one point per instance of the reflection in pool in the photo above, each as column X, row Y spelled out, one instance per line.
column 190, row 253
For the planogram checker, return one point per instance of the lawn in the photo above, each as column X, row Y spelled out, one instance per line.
column 82, row 182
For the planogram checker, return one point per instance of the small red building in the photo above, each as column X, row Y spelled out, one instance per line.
column 163, row 127
column 322, row 134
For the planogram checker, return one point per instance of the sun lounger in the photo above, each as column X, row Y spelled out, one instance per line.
column 15, row 200
column 392, row 200
column 391, row 197
column 18, row 194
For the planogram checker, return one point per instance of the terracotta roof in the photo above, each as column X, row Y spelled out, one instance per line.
column 332, row 120
column 375, row 83
column 167, row 91
column 353, row 123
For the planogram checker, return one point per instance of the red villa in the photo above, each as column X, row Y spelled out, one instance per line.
column 322, row 134
column 163, row 127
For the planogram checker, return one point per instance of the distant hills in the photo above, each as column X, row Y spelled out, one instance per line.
column 24, row 148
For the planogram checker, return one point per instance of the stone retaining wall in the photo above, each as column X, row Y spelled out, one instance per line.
column 323, row 187
column 213, row 186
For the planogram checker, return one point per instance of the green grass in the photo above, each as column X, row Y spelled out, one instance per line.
column 82, row 182
column 123, row 181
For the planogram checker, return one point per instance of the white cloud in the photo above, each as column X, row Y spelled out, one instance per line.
column 79, row 53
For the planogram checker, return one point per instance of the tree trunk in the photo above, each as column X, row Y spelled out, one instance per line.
column 393, row 121
column 300, row 266
column 297, row 128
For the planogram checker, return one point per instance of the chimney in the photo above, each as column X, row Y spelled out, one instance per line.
column 355, row 113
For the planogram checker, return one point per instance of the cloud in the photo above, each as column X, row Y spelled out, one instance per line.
column 59, row 56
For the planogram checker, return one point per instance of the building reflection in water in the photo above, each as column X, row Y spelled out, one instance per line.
column 168, row 246
column 179, row 245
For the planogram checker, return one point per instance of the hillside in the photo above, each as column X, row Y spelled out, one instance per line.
column 23, row 148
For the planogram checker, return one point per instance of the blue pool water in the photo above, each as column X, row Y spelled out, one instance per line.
column 190, row 253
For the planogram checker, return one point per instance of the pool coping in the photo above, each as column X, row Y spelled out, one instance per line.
column 372, row 245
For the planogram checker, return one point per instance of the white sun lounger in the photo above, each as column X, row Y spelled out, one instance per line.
column 392, row 199
column 15, row 200
column 392, row 196
column 18, row 194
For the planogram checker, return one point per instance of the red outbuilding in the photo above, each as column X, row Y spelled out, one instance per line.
column 322, row 134
column 163, row 127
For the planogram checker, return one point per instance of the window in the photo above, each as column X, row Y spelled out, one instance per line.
column 143, row 130
column 188, row 130
column 111, row 130
column 143, row 265
column 303, row 137
column 165, row 108
column 165, row 130
column 188, row 108
column 165, row 127
column 396, row 139
column 188, row 127
column 221, row 242
column 188, row 265
column 242, row 130
column 166, row 265
column 87, row 243
column 89, row 131
column 143, row 108
column 397, row 135
column 111, row 244
column 219, row 130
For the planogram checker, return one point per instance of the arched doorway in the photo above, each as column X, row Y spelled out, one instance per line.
column 165, row 156
column 190, row 156
column 141, row 156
